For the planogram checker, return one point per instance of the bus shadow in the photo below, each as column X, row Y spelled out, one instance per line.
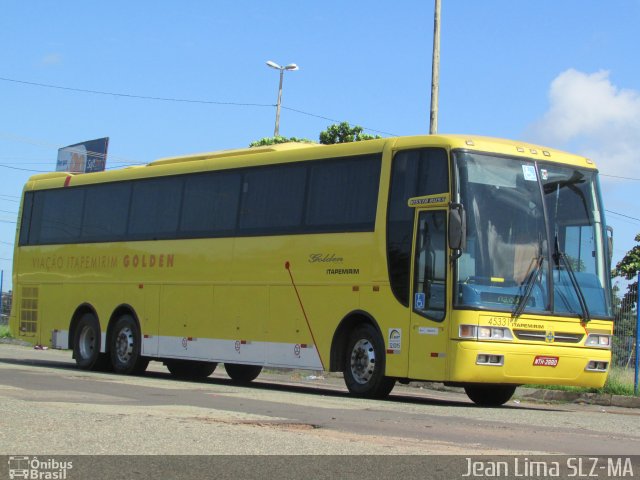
column 289, row 386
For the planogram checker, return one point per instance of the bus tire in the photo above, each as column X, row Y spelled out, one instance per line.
column 126, row 347
column 86, row 344
column 365, row 363
column 490, row 395
column 242, row 373
column 190, row 370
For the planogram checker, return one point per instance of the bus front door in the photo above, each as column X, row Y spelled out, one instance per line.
column 429, row 316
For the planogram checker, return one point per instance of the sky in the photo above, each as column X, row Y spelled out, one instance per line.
column 565, row 74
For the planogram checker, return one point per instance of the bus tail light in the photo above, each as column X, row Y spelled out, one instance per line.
column 598, row 340
column 597, row 366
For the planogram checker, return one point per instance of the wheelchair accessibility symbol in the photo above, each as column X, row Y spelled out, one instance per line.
column 420, row 301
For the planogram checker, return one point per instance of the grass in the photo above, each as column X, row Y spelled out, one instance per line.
column 4, row 332
column 619, row 382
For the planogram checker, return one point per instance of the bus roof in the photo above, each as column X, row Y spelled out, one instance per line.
column 289, row 152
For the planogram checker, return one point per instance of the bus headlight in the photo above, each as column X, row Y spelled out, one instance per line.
column 484, row 333
column 598, row 340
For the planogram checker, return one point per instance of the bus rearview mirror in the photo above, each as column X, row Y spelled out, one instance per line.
column 457, row 227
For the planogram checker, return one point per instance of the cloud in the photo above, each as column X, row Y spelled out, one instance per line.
column 589, row 115
column 51, row 59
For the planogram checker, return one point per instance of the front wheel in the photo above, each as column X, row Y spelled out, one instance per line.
column 242, row 373
column 490, row 395
column 190, row 370
column 365, row 364
column 125, row 347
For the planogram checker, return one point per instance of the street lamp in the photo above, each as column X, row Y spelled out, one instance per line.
column 291, row 66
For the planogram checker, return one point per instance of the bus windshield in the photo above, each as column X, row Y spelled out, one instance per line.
column 535, row 238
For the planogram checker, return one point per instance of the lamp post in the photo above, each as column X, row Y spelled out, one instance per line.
column 291, row 66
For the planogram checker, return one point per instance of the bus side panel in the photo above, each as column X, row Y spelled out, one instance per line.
column 391, row 316
column 51, row 316
column 186, row 312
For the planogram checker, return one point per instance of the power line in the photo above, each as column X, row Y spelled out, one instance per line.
column 177, row 100
column 7, row 221
column 7, row 243
column 141, row 97
column 22, row 169
column 622, row 215
column 7, row 211
column 333, row 120
column 617, row 176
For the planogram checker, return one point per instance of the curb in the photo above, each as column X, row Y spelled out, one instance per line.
column 605, row 399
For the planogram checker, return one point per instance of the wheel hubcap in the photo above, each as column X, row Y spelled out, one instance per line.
column 124, row 345
column 87, row 342
column 363, row 361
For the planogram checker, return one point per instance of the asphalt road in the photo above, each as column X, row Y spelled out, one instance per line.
column 48, row 407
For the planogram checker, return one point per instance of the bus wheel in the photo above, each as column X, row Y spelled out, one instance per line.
column 86, row 344
column 242, row 373
column 190, row 370
column 125, row 347
column 364, row 364
column 490, row 395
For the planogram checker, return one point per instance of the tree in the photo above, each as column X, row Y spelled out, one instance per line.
column 344, row 133
column 628, row 269
column 275, row 140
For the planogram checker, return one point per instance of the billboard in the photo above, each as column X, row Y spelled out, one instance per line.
column 84, row 157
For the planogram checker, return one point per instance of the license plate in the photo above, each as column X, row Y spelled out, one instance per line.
column 541, row 361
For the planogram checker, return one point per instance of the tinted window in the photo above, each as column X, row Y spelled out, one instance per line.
column 273, row 199
column 414, row 173
column 210, row 204
column 25, row 224
column 343, row 193
column 155, row 208
column 57, row 216
column 105, row 212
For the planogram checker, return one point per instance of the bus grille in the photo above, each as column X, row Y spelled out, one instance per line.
column 541, row 336
column 29, row 311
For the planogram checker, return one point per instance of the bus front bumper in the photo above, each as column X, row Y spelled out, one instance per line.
column 522, row 364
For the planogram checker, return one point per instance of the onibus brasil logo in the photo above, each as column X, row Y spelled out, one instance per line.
column 33, row 468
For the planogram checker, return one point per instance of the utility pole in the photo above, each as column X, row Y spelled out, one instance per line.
column 435, row 70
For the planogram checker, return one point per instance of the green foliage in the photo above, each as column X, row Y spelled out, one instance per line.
column 275, row 140
column 344, row 133
column 628, row 269
column 4, row 332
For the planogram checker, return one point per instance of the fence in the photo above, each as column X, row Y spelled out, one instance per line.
column 625, row 335
column 6, row 308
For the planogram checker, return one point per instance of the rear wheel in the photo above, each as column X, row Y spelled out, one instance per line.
column 365, row 364
column 242, row 373
column 86, row 344
column 125, row 347
column 490, row 395
column 191, row 370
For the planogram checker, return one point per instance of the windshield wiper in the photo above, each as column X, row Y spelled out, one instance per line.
column 560, row 256
column 534, row 276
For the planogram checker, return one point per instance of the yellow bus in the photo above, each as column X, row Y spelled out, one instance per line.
column 476, row 262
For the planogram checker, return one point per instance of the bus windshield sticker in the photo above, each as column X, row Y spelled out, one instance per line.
column 544, row 173
column 529, row 173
